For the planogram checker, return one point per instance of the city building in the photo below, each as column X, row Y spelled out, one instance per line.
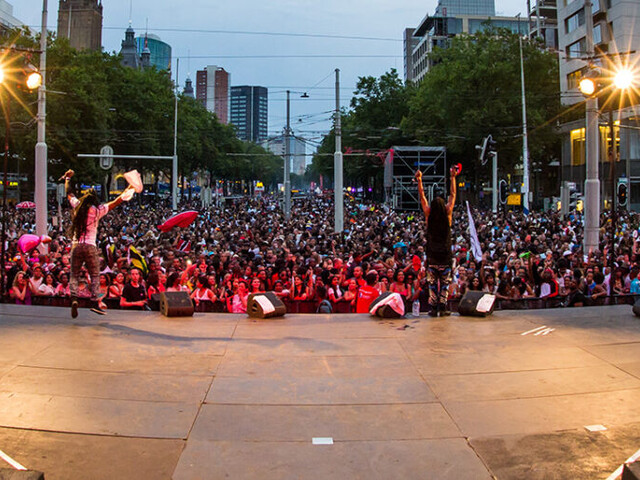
column 81, row 22
column 212, row 89
column 409, row 43
column 159, row 51
column 188, row 88
column 616, row 38
column 249, row 112
column 543, row 21
column 128, row 51
column 297, row 149
column 7, row 20
column 451, row 18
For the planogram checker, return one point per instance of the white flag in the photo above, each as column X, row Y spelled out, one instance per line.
column 473, row 234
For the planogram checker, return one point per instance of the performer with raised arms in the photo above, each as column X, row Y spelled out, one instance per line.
column 438, row 219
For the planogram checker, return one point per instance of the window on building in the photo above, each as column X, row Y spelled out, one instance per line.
column 597, row 34
column 578, row 138
column 595, row 6
column 573, row 79
column 577, row 49
column 574, row 21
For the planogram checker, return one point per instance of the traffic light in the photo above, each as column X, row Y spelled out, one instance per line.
column 622, row 192
column 484, row 151
column 575, row 200
column 503, row 191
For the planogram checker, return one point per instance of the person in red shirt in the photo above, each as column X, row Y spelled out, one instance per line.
column 368, row 293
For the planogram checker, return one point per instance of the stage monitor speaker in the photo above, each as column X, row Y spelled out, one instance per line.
column 387, row 305
column 636, row 308
column 13, row 474
column 631, row 471
column 476, row 304
column 176, row 304
column 265, row 305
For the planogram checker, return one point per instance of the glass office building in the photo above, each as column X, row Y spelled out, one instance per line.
column 160, row 51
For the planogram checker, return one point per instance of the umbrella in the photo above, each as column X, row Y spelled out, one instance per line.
column 26, row 205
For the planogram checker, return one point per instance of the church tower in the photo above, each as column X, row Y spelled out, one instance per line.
column 81, row 22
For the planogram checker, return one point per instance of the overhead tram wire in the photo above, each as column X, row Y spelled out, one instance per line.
column 248, row 32
column 274, row 34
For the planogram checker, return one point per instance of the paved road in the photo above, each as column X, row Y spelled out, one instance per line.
column 135, row 395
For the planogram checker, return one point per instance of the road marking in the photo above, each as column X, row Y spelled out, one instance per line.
column 618, row 471
column 11, row 461
column 534, row 330
column 322, row 440
column 546, row 331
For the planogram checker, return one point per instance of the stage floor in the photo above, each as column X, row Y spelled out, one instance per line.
column 135, row 395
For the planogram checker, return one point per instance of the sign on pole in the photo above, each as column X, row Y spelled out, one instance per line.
column 106, row 159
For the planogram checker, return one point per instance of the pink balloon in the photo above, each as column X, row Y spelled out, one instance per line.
column 28, row 242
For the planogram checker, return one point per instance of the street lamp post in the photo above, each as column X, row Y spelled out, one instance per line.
column 11, row 72
column 287, row 162
column 40, row 196
column 7, row 136
column 338, row 164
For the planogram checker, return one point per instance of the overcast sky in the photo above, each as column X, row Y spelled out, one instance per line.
column 380, row 21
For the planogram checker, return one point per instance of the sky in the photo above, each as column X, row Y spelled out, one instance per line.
column 292, row 43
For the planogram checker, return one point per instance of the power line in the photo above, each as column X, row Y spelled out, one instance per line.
column 272, row 34
column 293, row 56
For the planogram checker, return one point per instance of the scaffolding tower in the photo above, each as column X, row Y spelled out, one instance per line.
column 400, row 166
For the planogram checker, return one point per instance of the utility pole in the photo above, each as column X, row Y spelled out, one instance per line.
column 174, row 167
column 287, row 162
column 525, row 142
column 592, row 182
column 337, row 164
column 612, row 173
column 494, row 203
column 40, row 195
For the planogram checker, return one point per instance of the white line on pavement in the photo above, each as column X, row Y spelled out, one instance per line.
column 535, row 329
column 11, row 461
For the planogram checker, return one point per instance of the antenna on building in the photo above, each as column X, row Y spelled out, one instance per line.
column 130, row 12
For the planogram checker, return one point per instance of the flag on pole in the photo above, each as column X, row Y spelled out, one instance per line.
column 473, row 235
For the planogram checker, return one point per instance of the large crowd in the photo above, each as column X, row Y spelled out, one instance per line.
column 247, row 246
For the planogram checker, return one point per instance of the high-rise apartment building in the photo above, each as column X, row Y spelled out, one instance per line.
column 7, row 20
column 81, row 22
column 451, row 18
column 543, row 21
column 249, row 112
column 297, row 149
column 212, row 89
column 616, row 40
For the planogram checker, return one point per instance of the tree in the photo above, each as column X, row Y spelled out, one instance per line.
column 474, row 89
column 369, row 128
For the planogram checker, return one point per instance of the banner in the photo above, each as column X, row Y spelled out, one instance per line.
column 473, row 234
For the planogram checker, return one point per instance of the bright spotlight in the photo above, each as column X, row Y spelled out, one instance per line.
column 1, row 75
column 623, row 79
column 587, row 86
column 34, row 79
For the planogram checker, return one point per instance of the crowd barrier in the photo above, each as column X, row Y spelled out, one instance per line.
column 310, row 306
